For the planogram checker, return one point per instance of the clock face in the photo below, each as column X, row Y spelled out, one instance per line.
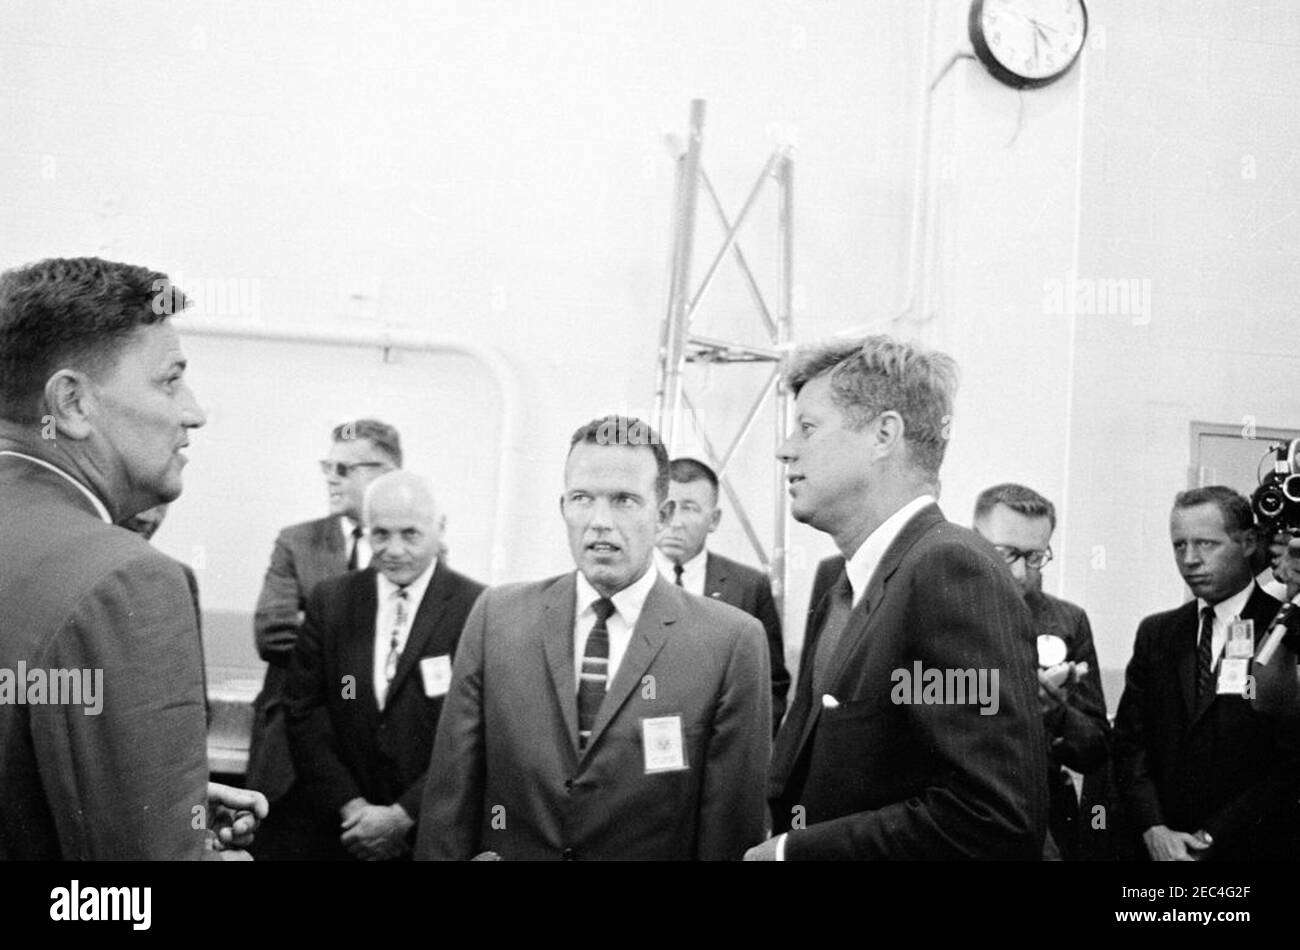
column 1035, row 40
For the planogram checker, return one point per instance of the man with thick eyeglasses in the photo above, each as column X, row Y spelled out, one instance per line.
column 1019, row 522
column 304, row 555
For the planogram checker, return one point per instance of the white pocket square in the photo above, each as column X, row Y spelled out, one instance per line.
column 829, row 701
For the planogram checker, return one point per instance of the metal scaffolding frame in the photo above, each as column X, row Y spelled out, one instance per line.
column 678, row 345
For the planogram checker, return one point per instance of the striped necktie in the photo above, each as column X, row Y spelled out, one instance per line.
column 1205, row 660
column 394, row 639
column 595, row 671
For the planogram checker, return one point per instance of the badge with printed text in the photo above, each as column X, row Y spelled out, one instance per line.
column 1241, row 640
column 436, row 673
column 1232, row 677
column 664, row 744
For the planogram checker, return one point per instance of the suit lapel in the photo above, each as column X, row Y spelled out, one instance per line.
column 432, row 607
column 558, row 606
column 1260, row 607
column 715, row 578
column 1186, row 631
column 328, row 543
column 652, row 627
column 357, row 656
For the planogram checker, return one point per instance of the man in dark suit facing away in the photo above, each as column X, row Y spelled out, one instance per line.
column 1202, row 775
column 915, row 730
column 304, row 555
column 682, row 557
column 104, row 753
column 368, row 676
column 604, row 714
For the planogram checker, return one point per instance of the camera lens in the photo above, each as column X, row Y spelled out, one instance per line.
column 1269, row 502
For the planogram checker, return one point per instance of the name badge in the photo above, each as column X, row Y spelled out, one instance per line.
column 1241, row 639
column 1232, row 677
column 436, row 673
column 664, row 744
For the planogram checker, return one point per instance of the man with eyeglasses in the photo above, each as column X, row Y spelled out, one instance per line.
column 1202, row 775
column 1019, row 522
column 304, row 555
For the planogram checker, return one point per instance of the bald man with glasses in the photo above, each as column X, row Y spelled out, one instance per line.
column 305, row 555
column 1019, row 522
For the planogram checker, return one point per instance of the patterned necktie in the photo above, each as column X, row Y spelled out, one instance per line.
column 595, row 671
column 1205, row 660
column 352, row 556
column 678, row 571
column 394, row 654
column 837, row 618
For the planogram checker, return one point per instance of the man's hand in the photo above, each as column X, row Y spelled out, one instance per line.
column 375, row 832
column 1049, row 696
column 1165, row 844
column 234, row 814
column 765, row 851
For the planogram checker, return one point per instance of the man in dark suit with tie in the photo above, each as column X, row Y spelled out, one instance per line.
column 304, row 555
column 683, row 557
column 915, row 730
column 368, row 676
column 94, row 414
column 1202, row 775
column 604, row 713
column 1019, row 522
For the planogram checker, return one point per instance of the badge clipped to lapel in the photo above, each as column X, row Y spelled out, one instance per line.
column 664, row 744
column 1236, row 658
column 435, row 671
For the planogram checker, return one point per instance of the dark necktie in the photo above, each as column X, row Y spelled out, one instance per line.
column 837, row 618
column 595, row 671
column 678, row 571
column 1205, row 660
column 356, row 540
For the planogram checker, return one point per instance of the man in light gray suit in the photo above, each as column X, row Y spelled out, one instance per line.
column 605, row 713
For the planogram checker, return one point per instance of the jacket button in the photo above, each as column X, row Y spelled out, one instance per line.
column 568, row 855
column 568, row 784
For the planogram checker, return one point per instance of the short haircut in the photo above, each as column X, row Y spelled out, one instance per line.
column 380, row 434
column 630, row 431
column 685, row 470
column 879, row 373
column 1237, row 516
column 1019, row 499
column 74, row 313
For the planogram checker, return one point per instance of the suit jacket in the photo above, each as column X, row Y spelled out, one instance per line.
column 506, row 774
column 751, row 591
column 1078, row 733
column 343, row 745
column 304, row 555
column 872, row 778
column 79, row 594
column 1227, row 769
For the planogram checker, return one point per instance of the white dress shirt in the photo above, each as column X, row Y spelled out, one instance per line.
column 93, row 498
column 693, row 571
column 862, row 565
column 363, row 543
column 1225, row 611
column 386, row 621
column 627, row 610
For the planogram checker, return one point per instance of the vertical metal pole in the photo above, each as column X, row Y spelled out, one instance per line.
column 784, row 333
column 672, row 348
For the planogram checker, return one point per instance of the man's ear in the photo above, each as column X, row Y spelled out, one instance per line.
column 69, row 402
column 888, row 435
column 666, row 509
column 714, row 519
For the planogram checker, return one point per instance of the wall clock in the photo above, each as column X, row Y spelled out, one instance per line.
column 1028, row 43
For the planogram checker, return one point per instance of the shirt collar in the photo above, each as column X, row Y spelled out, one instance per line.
column 666, row 563
column 1226, row 610
column 414, row 590
column 862, row 565
column 100, row 509
column 347, row 526
column 628, row 602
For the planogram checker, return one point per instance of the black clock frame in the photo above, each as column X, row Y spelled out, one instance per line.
column 975, row 26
